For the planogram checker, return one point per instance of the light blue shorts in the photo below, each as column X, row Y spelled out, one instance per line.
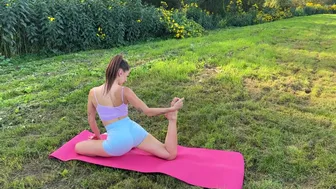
column 122, row 136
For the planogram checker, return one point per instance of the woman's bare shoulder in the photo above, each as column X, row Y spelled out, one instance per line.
column 95, row 89
column 127, row 90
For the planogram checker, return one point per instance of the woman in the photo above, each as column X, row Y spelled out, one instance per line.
column 110, row 101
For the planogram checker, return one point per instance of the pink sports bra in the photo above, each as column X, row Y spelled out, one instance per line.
column 107, row 113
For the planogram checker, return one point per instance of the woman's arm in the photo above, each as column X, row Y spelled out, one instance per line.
column 140, row 105
column 91, row 110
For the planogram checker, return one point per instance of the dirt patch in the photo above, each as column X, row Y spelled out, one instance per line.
column 206, row 73
column 252, row 86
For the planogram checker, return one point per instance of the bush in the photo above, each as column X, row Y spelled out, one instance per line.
column 312, row 8
column 269, row 14
column 176, row 4
column 177, row 23
column 206, row 19
column 236, row 16
column 4, row 60
column 243, row 19
column 299, row 11
column 333, row 9
column 278, row 4
column 214, row 6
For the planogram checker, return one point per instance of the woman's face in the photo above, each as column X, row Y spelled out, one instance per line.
column 122, row 77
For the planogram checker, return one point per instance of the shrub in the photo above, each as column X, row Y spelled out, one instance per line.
column 269, row 14
column 333, row 9
column 4, row 60
column 178, row 24
column 312, row 8
column 243, row 19
column 236, row 16
column 299, row 11
column 170, row 3
column 203, row 17
column 278, row 4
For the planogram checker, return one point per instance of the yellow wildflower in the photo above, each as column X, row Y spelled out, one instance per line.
column 7, row 5
column 309, row 4
column 109, row 7
column 139, row 20
column 51, row 19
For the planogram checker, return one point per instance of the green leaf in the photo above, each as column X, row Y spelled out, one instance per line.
column 64, row 173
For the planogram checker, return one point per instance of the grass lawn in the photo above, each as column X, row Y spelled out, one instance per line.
column 267, row 91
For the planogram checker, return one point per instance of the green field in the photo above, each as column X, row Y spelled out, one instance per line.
column 267, row 91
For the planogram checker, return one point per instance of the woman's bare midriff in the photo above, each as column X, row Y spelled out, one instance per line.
column 105, row 123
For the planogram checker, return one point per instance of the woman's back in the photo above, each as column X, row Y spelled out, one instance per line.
column 112, row 105
column 113, row 98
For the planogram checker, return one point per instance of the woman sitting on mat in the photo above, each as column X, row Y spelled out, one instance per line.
column 111, row 101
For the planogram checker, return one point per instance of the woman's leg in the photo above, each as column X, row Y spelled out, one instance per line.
column 91, row 148
column 168, row 150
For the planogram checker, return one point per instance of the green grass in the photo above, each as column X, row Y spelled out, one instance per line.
column 267, row 91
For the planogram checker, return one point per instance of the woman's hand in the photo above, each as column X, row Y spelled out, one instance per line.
column 177, row 103
column 94, row 137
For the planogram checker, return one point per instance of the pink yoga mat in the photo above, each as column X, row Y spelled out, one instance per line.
column 196, row 166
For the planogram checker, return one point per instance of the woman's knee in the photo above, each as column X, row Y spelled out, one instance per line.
column 79, row 147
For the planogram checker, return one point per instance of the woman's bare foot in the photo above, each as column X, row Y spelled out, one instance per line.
column 172, row 115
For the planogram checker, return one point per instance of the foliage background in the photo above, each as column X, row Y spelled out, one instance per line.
column 62, row 26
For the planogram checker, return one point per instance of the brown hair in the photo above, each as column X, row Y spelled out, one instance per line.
column 112, row 70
